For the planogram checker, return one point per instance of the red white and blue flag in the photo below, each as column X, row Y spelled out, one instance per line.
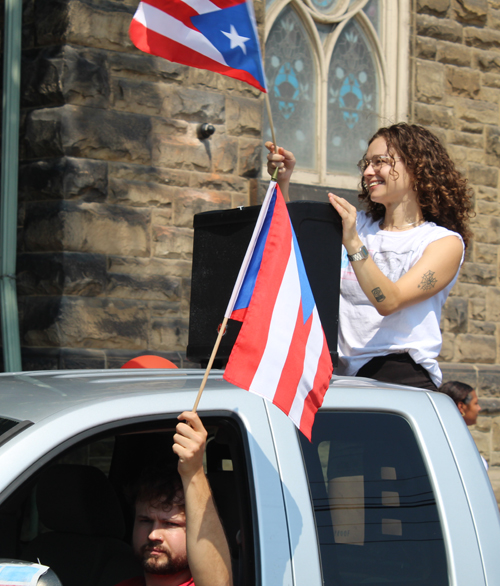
column 218, row 35
column 281, row 351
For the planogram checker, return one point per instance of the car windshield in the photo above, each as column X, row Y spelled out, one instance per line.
column 376, row 515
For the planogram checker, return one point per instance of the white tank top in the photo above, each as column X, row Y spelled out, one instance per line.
column 363, row 332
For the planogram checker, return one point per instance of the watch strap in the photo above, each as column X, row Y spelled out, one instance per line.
column 360, row 255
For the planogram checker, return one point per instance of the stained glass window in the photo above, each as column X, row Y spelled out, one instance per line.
column 326, row 67
column 352, row 100
column 291, row 77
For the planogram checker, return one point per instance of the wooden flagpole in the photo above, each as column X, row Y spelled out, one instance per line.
column 210, row 362
column 224, row 323
column 270, row 115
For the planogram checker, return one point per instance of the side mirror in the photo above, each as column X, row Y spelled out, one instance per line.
column 20, row 573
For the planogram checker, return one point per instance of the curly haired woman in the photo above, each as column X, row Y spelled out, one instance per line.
column 400, row 258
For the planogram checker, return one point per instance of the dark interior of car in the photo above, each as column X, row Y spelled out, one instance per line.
column 73, row 513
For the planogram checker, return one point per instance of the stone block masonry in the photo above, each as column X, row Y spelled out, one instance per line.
column 456, row 93
column 112, row 172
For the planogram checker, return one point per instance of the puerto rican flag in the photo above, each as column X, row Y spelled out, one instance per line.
column 281, row 351
column 220, row 36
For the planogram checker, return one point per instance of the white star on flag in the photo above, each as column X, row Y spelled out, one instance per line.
column 236, row 40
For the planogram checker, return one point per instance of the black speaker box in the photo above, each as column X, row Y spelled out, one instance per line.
column 220, row 242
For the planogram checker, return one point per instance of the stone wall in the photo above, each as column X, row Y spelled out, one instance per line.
column 456, row 93
column 112, row 171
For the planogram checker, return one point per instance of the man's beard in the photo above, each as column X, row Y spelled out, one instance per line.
column 163, row 565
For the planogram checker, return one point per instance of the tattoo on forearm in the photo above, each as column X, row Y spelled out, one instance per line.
column 428, row 281
column 377, row 293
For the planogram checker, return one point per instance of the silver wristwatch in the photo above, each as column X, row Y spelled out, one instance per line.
column 360, row 255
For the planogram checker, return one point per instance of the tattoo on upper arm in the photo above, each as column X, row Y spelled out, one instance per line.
column 428, row 281
column 377, row 293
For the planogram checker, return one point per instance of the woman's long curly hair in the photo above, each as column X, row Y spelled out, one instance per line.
column 442, row 192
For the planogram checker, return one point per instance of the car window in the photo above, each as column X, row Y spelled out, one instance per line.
column 98, row 453
column 9, row 428
column 376, row 515
column 6, row 424
column 35, row 519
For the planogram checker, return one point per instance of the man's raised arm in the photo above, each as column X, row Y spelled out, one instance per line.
column 207, row 549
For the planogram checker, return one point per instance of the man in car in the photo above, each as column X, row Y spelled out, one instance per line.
column 178, row 536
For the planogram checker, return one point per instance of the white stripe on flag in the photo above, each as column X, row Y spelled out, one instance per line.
column 162, row 23
column 281, row 331
column 251, row 248
column 314, row 348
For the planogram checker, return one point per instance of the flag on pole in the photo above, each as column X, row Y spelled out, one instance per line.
column 281, row 351
column 220, row 36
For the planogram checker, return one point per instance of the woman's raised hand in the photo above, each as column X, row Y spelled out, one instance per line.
column 347, row 213
column 284, row 160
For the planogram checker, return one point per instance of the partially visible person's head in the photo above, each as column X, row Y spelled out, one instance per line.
column 442, row 191
column 159, row 536
column 465, row 399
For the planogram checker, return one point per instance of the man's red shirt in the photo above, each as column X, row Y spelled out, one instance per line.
column 140, row 581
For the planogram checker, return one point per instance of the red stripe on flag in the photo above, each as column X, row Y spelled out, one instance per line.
column 239, row 314
column 314, row 399
column 294, row 364
column 151, row 42
column 251, row 342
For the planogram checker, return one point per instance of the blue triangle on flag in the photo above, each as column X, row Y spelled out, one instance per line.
column 232, row 32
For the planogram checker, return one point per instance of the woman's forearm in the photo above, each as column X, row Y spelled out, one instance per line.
column 382, row 293
column 432, row 273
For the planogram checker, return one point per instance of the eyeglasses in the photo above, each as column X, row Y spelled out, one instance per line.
column 376, row 162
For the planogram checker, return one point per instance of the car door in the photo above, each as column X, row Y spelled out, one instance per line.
column 90, row 434
column 383, row 499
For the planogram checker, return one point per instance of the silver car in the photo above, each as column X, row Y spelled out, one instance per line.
column 391, row 490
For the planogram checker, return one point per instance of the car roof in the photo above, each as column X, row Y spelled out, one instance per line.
column 38, row 394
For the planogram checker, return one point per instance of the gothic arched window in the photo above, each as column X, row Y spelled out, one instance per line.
column 336, row 71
